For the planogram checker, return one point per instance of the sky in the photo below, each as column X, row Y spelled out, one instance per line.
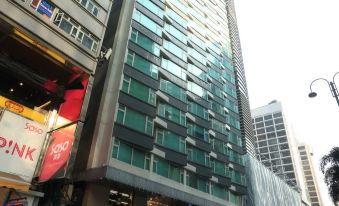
column 286, row 44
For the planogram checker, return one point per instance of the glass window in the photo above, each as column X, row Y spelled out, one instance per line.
column 145, row 42
column 278, row 121
column 194, row 181
column 173, row 90
column 197, row 72
column 179, row 5
column 68, row 25
column 152, row 7
column 269, row 123
column 238, row 177
column 235, row 199
column 213, row 60
column 281, row 133
column 197, row 109
column 196, row 89
column 172, row 113
column 219, row 146
column 126, row 153
column 234, row 138
column 176, row 33
column 279, row 114
column 270, row 129
column 176, row 17
column 90, row 6
column 138, row 90
column 166, row 169
column 218, row 167
column 134, row 120
column 174, row 49
column 231, row 105
column 216, row 107
column 147, row 22
column 200, row 43
column 267, row 117
column 214, row 74
column 219, row 126
column 219, row 191
column 197, row 155
column 196, row 55
column 170, row 140
column 173, row 68
column 233, row 121
column 141, row 64
column 197, row 131
column 235, row 157
column 230, row 90
column 228, row 76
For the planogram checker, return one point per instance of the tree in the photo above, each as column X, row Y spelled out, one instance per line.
column 329, row 166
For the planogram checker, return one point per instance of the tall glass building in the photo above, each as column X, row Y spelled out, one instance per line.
column 167, row 124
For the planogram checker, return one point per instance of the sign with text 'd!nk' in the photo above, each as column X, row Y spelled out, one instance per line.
column 21, row 141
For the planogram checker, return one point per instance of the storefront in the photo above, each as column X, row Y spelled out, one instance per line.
column 41, row 98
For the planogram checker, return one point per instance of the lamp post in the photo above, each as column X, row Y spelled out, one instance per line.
column 332, row 86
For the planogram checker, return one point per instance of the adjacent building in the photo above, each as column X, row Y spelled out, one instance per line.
column 310, row 175
column 48, row 55
column 241, row 86
column 165, row 109
column 275, row 145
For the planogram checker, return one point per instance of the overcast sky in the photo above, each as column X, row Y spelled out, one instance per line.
column 286, row 44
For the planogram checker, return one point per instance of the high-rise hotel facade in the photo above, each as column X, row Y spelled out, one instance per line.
column 167, row 124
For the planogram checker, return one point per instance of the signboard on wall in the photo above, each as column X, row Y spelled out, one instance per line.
column 21, row 142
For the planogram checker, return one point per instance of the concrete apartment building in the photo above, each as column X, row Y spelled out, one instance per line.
column 49, row 52
column 310, row 175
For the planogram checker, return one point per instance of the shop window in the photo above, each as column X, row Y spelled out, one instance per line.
column 138, row 90
column 173, row 90
column 126, row 153
column 170, row 140
column 145, row 42
column 141, row 64
column 197, row 131
column 172, row 113
column 68, row 25
column 168, row 170
column 198, row 110
column 90, row 6
column 134, row 120
column 194, row 181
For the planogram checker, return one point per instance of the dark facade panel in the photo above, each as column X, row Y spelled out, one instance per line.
column 240, row 189
column 201, row 144
column 220, row 136
column 174, row 59
column 159, row 4
column 201, row 122
column 219, row 117
column 214, row 81
column 145, row 54
column 175, row 102
column 175, row 41
column 137, row 105
column 222, row 180
column 173, row 156
column 197, row 99
column 174, row 79
column 138, row 139
column 196, row 63
column 221, row 157
column 175, row 128
column 236, row 148
column 197, row 81
column 202, row 170
column 135, row 74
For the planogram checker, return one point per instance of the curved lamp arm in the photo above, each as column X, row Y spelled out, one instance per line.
column 313, row 94
column 334, row 76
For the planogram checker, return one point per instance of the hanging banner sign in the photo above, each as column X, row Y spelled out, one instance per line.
column 21, row 141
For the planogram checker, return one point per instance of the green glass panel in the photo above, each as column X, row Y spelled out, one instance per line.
column 138, row 158
column 152, row 7
column 125, row 153
column 135, row 120
column 142, row 65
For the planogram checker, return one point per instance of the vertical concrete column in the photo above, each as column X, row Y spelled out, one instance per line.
column 96, row 194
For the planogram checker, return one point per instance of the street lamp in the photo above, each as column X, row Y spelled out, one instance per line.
column 332, row 86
